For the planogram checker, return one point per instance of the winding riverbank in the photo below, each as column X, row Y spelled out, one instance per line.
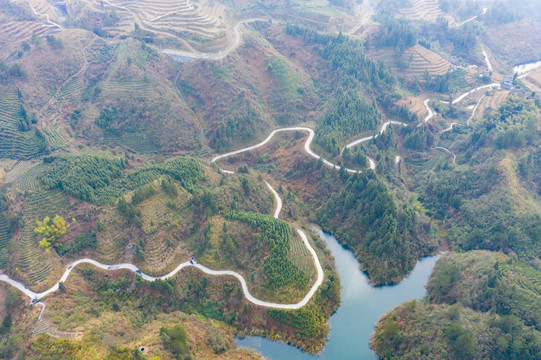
column 362, row 305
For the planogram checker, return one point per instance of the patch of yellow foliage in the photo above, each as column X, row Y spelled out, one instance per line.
column 51, row 230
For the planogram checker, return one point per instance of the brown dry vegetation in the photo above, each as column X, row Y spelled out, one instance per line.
column 415, row 104
column 517, row 42
column 242, row 90
column 533, row 81
column 87, row 75
column 424, row 10
column 170, row 23
column 490, row 103
column 419, row 60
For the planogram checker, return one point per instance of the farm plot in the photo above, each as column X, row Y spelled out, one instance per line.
column 31, row 262
column 457, row 80
column 415, row 105
column 69, row 94
column 14, row 33
column 137, row 88
column 421, row 60
column 16, row 144
column 28, row 181
column 141, row 142
column 439, row 158
column 300, row 256
column 168, row 17
column 533, row 81
column 424, row 10
column 489, row 103
column 17, row 171
column 4, row 239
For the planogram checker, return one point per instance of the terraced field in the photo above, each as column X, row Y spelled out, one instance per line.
column 31, row 262
column 45, row 327
column 490, row 102
column 15, row 144
column 300, row 256
column 424, row 10
column 525, row 276
column 56, row 138
column 140, row 142
column 158, row 256
column 421, row 59
column 17, row 171
column 533, row 80
column 415, row 105
column 137, row 88
column 439, row 157
column 28, row 181
column 167, row 17
column 69, row 94
column 14, row 33
column 4, row 239
column 45, row 11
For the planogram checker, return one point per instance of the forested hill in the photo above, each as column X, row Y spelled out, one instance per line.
column 358, row 81
column 482, row 305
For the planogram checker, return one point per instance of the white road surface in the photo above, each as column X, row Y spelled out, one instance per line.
column 307, row 144
column 320, row 275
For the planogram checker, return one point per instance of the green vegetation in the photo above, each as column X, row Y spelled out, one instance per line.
column 460, row 41
column 464, row 9
column 280, row 271
column 481, row 201
column 395, row 33
column 174, row 339
column 10, row 73
column 290, row 88
column 514, row 124
column 365, row 217
column 501, row 13
column 487, row 281
column 494, row 300
column 351, row 111
column 80, row 176
column 99, row 179
column 54, row 42
column 450, row 82
column 82, row 242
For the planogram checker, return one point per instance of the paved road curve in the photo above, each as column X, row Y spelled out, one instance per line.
column 306, row 148
column 320, row 275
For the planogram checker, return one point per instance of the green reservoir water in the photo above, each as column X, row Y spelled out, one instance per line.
column 362, row 305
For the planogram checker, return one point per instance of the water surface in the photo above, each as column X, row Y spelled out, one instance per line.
column 524, row 68
column 361, row 307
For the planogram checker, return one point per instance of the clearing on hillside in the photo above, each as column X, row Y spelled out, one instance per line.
column 419, row 60
column 533, row 80
column 489, row 103
column 415, row 105
column 183, row 20
column 424, row 10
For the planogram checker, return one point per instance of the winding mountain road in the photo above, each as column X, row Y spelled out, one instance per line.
column 466, row 94
column 320, row 275
column 237, row 39
column 50, row 23
column 307, row 144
